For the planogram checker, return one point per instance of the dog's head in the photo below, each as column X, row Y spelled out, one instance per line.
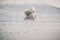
column 28, row 13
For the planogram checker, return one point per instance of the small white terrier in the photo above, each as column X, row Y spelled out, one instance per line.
column 30, row 14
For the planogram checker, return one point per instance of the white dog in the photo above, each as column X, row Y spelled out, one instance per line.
column 30, row 14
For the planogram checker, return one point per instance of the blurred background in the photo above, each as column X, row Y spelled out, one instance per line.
column 46, row 26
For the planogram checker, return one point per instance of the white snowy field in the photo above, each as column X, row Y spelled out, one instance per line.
column 14, row 27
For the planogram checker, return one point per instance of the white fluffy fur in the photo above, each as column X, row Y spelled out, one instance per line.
column 31, row 16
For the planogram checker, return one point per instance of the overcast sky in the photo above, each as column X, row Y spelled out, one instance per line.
column 49, row 2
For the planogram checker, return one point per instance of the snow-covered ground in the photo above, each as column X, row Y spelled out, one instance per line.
column 14, row 27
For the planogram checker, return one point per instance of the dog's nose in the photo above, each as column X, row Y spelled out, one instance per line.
column 27, row 14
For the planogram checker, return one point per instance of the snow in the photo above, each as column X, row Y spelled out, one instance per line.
column 45, row 27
